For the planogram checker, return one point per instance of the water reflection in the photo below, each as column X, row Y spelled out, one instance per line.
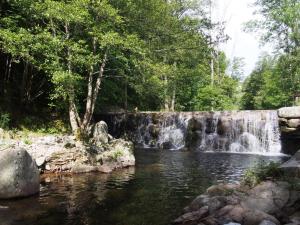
column 154, row 192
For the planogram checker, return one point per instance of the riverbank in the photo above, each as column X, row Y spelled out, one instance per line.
column 23, row 158
column 273, row 201
column 64, row 153
column 153, row 192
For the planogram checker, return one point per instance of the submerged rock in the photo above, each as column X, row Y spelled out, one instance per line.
column 19, row 175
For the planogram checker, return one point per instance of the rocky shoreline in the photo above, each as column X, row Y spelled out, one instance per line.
column 269, row 203
column 58, row 154
column 272, row 202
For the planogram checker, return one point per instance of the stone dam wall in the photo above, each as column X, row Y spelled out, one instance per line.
column 258, row 132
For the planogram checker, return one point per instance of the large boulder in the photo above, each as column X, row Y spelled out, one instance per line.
column 19, row 175
column 100, row 133
column 289, row 112
column 269, row 197
column 292, row 166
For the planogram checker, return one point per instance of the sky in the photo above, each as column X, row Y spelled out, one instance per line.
column 235, row 13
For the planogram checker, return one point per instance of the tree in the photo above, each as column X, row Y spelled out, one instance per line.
column 279, row 24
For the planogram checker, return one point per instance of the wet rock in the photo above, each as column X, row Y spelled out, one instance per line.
column 19, row 175
column 289, row 112
column 255, row 217
column 267, row 203
column 191, row 218
column 267, row 222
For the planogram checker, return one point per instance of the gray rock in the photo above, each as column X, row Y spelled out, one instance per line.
column 294, row 219
column 19, row 175
column 100, row 133
column 292, row 166
column 293, row 123
column 267, row 222
column 289, row 112
column 40, row 161
column 190, row 217
column 268, row 197
column 232, row 223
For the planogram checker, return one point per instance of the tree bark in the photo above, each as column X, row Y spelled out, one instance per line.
column 24, row 83
column 173, row 100
column 73, row 113
column 92, row 95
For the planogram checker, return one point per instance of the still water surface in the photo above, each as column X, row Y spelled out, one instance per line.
column 152, row 193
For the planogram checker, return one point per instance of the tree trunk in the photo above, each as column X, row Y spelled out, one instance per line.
column 92, row 95
column 166, row 100
column 24, row 83
column 173, row 100
column 73, row 113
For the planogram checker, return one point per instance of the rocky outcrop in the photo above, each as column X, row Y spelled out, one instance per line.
column 289, row 122
column 289, row 112
column 19, row 175
column 268, row 203
column 100, row 133
column 66, row 154
column 292, row 166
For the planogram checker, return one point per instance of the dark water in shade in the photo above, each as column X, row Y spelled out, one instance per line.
column 152, row 193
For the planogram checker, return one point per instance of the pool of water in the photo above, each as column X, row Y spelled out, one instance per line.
column 152, row 193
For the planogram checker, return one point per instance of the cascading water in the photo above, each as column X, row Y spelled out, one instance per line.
column 244, row 132
column 165, row 131
column 237, row 131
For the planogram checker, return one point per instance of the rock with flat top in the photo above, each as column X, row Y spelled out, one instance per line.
column 289, row 112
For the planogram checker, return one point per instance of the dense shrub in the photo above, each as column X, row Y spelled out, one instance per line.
column 261, row 172
column 4, row 120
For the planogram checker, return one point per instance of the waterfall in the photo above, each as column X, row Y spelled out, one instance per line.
column 254, row 132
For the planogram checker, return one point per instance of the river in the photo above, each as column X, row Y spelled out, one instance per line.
column 152, row 193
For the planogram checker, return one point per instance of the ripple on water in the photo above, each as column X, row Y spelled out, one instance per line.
column 154, row 192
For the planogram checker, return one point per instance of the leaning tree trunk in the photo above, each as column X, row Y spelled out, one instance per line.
column 92, row 96
column 73, row 113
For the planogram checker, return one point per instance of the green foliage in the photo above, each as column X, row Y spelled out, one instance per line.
column 116, row 154
column 267, row 87
column 54, row 51
column 31, row 124
column 4, row 120
column 219, row 97
column 276, row 80
column 261, row 172
column 27, row 142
